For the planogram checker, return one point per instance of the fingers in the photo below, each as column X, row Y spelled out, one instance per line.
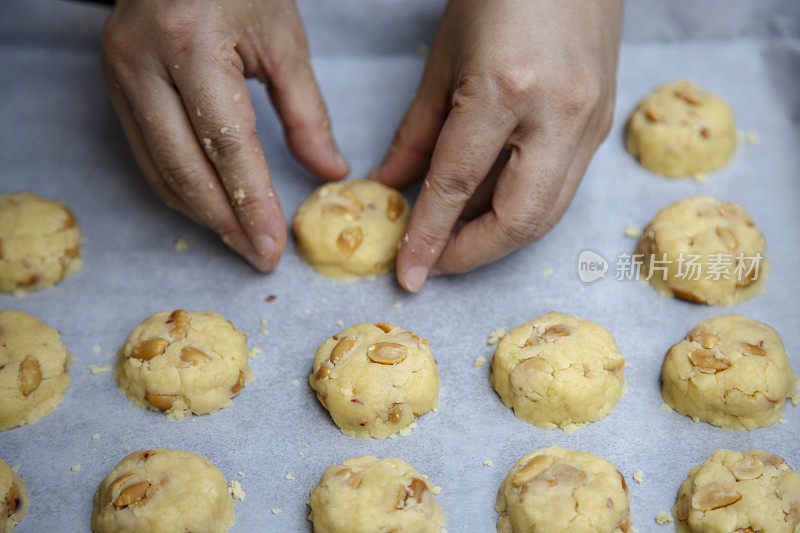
column 469, row 142
column 217, row 101
column 297, row 99
column 183, row 166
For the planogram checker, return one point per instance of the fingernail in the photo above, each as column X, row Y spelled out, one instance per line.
column 265, row 246
column 415, row 277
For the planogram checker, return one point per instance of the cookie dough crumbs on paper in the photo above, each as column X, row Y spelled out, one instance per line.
column 632, row 231
column 488, row 462
column 296, row 382
column 739, row 137
column 699, row 177
column 94, row 369
column 236, row 491
column 664, row 518
column 751, row 137
column 276, row 510
column 96, row 349
column 436, row 490
column 306, row 311
column 783, row 421
column 637, row 476
column 666, row 407
column 263, row 331
column 398, row 305
column 76, row 467
column 263, row 322
column 15, row 468
column 496, row 335
column 255, row 351
column 340, row 323
column 96, row 436
column 239, row 196
column 126, row 448
column 270, row 298
column 546, row 271
column 480, row 361
column 289, row 477
column 181, row 245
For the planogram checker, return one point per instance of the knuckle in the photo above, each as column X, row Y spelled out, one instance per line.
column 521, row 227
column 449, row 188
column 176, row 21
column 225, row 146
column 179, row 176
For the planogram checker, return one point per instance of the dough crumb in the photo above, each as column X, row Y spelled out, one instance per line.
column 398, row 305
column 632, row 231
column 340, row 323
column 751, row 137
column 290, row 477
column 96, row 349
column 488, row 462
column 637, row 476
column 699, row 177
column 496, row 335
column 783, row 421
column 437, row 490
column 126, row 448
column 237, row 97
column 94, row 369
column 15, row 468
column 263, row 331
column 547, row 271
column 96, row 436
column 236, row 491
column 255, row 351
column 181, row 245
column 480, row 361
column 76, row 467
column 276, row 510
column 664, row 518
column 239, row 196
column 263, row 322
column 270, row 298
column 306, row 310
column 666, row 407
column 296, row 382
column 240, row 473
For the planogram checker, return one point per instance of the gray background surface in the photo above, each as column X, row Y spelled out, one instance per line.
column 60, row 138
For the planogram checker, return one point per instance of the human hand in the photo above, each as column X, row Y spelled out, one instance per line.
column 515, row 99
column 176, row 74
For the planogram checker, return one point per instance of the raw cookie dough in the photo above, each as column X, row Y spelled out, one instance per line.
column 729, row 371
column 680, row 129
column 351, row 230
column 33, row 369
column 557, row 489
column 746, row 492
column 163, row 490
column 13, row 498
column 40, row 243
column 371, row 495
column 375, row 379
column 181, row 362
column 558, row 370
column 705, row 251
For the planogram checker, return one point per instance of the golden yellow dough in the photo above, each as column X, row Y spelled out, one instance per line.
column 375, row 379
column 181, row 362
column 33, row 369
column 729, row 371
column 371, row 495
column 557, row 489
column 746, row 492
column 40, row 243
column 13, row 498
column 680, row 130
column 558, row 370
column 352, row 229
column 162, row 490
column 703, row 250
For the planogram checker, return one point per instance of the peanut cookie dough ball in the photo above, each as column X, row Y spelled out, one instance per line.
column 703, row 250
column 13, row 498
column 367, row 494
column 558, row 371
column 739, row 492
column 557, row 489
column 162, row 490
column 351, row 230
column 375, row 379
column 680, row 130
column 33, row 369
column 729, row 371
column 40, row 243
column 183, row 362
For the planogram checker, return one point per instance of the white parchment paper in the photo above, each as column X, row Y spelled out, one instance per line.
column 60, row 138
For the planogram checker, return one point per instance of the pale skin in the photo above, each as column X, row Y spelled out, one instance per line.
column 515, row 99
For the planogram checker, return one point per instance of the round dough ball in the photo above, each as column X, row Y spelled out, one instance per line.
column 163, row 490
column 33, row 369
column 739, row 492
column 367, row 494
column 558, row 371
column 557, row 489
column 40, row 243
column 680, row 129
column 705, row 251
column 183, row 362
column 729, row 371
column 375, row 379
column 351, row 230
column 13, row 498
